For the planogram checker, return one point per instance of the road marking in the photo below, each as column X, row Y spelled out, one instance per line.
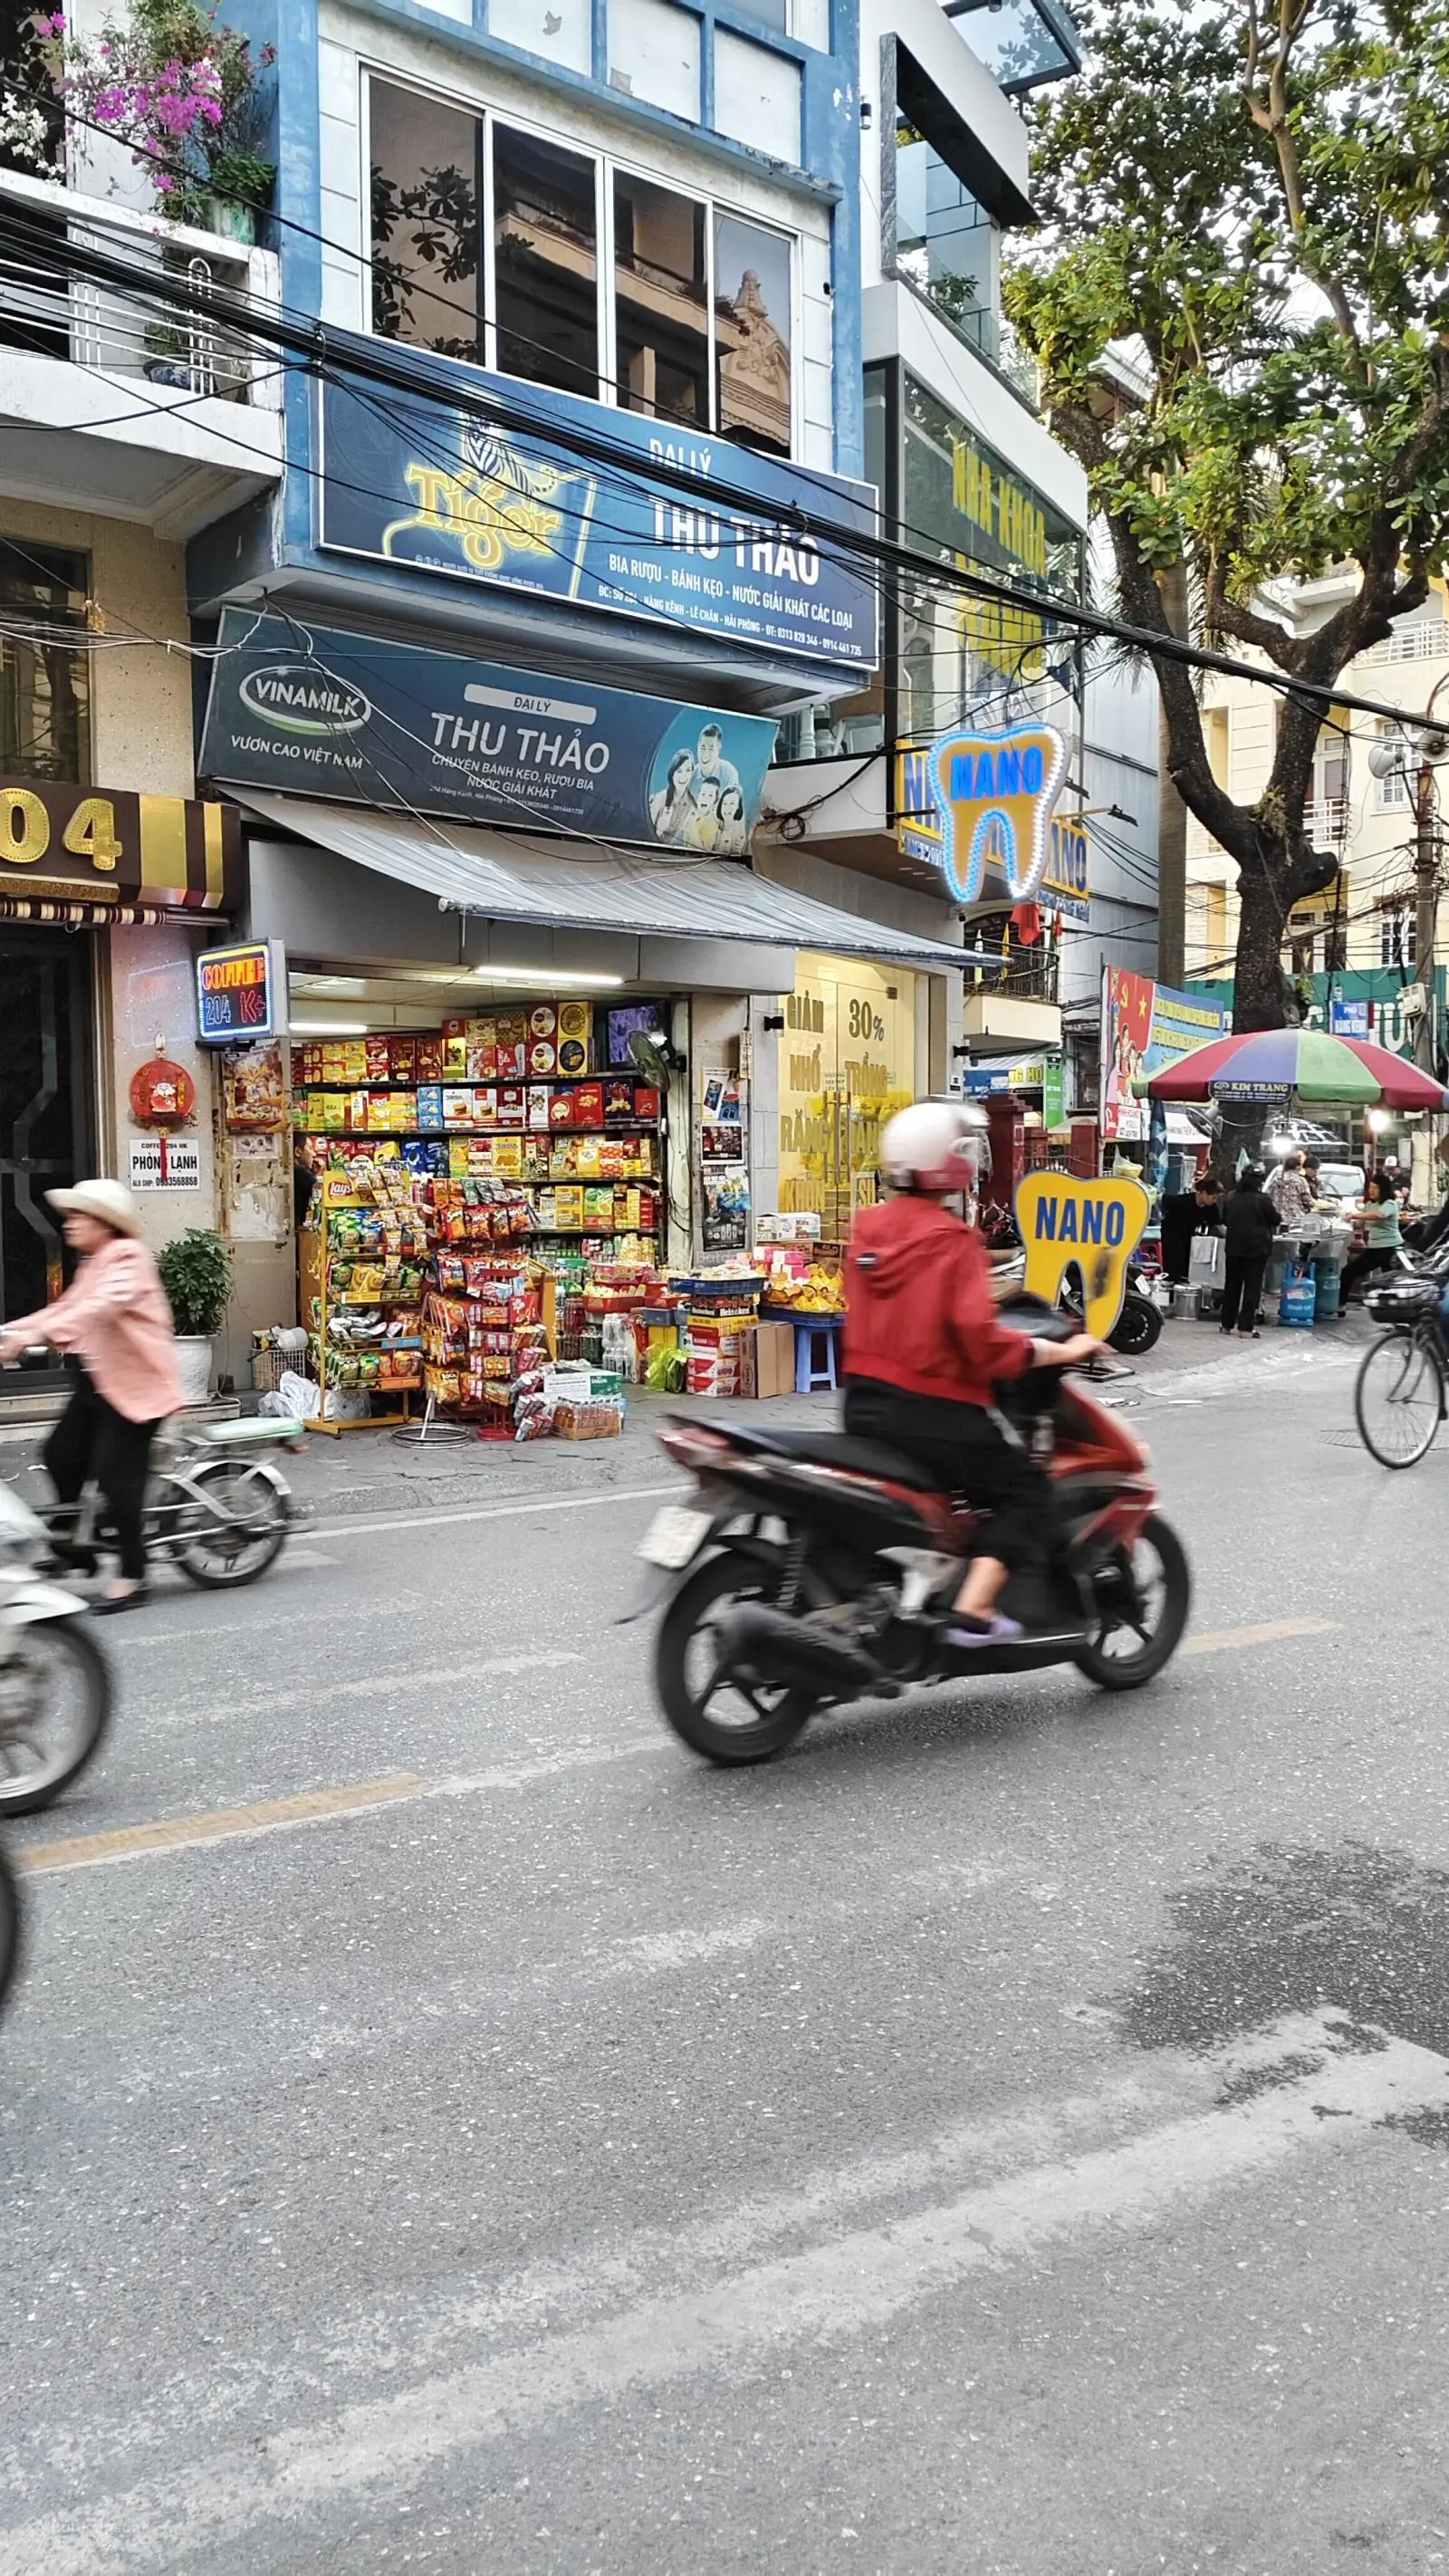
column 1218, row 1641
column 371, row 1686
column 133, row 1842
column 312, row 1807
column 184, row 1833
column 848, row 2284
column 492, row 1511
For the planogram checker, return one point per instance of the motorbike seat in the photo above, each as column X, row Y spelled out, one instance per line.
column 857, row 1457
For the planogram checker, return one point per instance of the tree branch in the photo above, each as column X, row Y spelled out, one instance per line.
column 1229, row 617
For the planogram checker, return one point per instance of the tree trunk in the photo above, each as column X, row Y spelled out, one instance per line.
column 1260, row 990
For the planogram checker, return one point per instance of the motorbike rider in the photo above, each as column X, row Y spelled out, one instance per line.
column 924, row 1349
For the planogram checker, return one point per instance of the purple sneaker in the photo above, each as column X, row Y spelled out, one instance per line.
column 997, row 1630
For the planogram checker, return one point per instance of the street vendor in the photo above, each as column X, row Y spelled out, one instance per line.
column 1376, row 1223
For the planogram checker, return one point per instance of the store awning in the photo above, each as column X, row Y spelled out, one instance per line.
column 500, row 879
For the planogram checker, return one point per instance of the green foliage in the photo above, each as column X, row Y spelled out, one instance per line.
column 1239, row 302
column 196, row 1275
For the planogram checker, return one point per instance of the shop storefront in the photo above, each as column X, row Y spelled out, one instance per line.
column 105, row 900
column 848, row 1062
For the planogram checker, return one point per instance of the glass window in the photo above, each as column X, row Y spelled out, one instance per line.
column 661, row 301
column 1022, row 42
column 946, row 244
column 1398, row 939
column 546, row 264
column 427, row 276
column 44, row 673
column 752, row 310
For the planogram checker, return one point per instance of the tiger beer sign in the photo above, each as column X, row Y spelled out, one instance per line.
column 1094, row 1225
column 995, row 793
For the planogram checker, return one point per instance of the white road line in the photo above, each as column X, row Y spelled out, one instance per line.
column 491, row 1511
column 369, row 1686
column 846, row 2285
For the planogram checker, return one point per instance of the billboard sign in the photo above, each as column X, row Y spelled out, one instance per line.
column 1145, row 1026
column 328, row 712
column 483, row 500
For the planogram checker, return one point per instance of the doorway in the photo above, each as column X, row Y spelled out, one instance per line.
column 47, row 1121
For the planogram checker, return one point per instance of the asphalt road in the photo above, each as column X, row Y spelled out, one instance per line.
column 1008, row 2137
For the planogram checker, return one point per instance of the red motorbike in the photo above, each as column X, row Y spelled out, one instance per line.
column 817, row 1569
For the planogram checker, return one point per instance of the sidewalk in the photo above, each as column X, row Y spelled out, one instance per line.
column 380, row 1473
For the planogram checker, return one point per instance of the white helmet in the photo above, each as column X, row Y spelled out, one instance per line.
column 936, row 1146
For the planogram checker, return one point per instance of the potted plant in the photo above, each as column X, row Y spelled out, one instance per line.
column 184, row 92
column 196, row 1275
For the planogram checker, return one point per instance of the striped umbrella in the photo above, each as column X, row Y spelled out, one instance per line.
column 1267, row 1062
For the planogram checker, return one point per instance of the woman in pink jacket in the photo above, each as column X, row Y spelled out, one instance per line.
column 114, row 1324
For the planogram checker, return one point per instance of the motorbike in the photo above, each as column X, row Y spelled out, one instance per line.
column 55, row 1682
column 1138, row 1327
column 816, row 1569
column 213, row 1505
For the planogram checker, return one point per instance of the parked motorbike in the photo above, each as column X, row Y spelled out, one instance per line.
column 816, row 1569
column 55, row 1681
column 1139, row 1325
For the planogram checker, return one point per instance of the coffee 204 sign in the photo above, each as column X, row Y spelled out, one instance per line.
column 241, row 993
column 995, row 793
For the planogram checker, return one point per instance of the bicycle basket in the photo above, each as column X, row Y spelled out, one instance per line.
column 1404, row 1300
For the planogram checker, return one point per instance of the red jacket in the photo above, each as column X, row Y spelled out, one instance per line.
column 919, row 1313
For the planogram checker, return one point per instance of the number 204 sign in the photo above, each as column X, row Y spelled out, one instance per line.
column 241, row 993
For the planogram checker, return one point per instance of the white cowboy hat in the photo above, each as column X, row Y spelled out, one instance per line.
column 111, row 1201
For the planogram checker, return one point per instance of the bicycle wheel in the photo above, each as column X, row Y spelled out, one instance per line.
column 222, row 1553
column 1398, row 1398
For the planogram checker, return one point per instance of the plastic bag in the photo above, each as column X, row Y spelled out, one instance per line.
column 295, row 1395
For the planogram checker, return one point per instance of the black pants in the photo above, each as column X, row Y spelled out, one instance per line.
column 1360, row 1265
column 964, row 1447
column 1242, row 1288
column 92, row 1442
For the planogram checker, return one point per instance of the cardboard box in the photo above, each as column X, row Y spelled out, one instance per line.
column 773, row 1351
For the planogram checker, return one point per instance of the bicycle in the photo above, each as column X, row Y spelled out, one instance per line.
column 1399, row 1393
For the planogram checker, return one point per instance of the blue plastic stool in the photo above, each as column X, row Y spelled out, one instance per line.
column 807, row 1376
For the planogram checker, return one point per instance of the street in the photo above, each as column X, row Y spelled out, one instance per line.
column 447, row 2127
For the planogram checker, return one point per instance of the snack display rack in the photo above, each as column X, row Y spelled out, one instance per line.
column 362, row 1288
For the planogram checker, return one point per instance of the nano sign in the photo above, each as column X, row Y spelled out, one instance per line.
column 995, row 793
column 241, row 993
column 1093, row 1227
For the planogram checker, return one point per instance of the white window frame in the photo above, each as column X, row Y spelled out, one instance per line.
column 1405, row 921
column 1394, row 795
column 606, row 166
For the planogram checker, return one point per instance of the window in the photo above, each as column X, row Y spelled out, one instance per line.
column 947, row 246
column 1398, row 938
column 45, row 673
column 661, row 301
column 1392, row 794
column 752, row 334
column 546, row 262
column 427, row 281
column 497, row 245
column 1330, row 771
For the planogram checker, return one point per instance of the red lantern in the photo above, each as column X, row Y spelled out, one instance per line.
column 162, row 1093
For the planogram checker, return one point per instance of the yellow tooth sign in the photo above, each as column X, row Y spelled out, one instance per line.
column 995, row 792
column 1096, row 1224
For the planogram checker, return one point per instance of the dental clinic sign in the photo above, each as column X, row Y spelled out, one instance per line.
column 995, row 793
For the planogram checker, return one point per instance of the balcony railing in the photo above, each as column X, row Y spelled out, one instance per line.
column 96, row 328
column 1428, row 642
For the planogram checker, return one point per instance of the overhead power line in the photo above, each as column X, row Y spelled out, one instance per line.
column 343, row 357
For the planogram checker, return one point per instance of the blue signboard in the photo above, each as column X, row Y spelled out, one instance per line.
column 486, row 501
column 1349, row 1019
column 331, row 713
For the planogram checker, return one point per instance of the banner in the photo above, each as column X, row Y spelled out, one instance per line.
column 1144, row 1027
column 445, row 492
column 331, row 713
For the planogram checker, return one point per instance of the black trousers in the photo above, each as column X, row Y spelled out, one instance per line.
column 1360, row 1265
column 1242, row 1288
column 92, row 1442
column 963, row 1446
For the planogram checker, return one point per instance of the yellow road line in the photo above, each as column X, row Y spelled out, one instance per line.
column 1216, row 1641
column 270, row 1815
column 82, row 1851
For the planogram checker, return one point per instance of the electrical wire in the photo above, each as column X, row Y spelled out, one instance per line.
column 364, row 361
